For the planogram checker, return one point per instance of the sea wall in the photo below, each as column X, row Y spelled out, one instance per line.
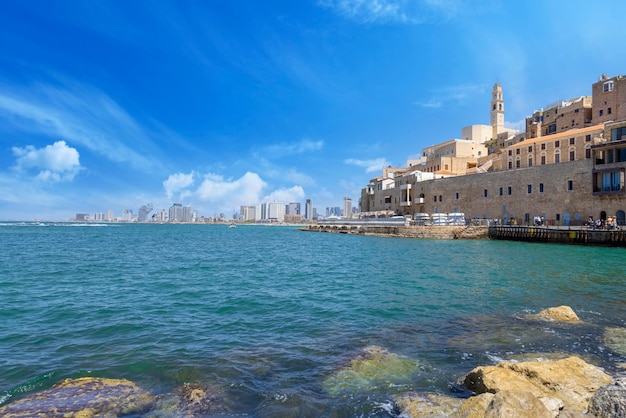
column 563, row 235
column 428, row 232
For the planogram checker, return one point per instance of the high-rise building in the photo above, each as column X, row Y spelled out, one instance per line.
column 293, row 209
column 308, row 210
column 144, row 211
column 176, row 213
column 347, row 207
column 276, row 212
column 247, row 213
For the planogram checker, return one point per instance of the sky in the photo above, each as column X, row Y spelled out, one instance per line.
column 110, row 105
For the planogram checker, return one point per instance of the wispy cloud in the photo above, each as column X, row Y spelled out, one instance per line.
column 78, row 114
column 394, row 11
column 370, row 166
column 56, row 162
column 452, row 94
column 290, row 148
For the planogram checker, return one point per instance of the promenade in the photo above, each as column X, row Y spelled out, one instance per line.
column 582, row 235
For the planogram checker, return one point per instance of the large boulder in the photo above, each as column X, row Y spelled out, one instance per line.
column 560, row 313
column 517, row 404
column 609, row 401
column 85, row 398
column 570, row 380
column 474, row 407
column 423, row 405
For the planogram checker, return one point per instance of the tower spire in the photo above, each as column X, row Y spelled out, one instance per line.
column 497, row 110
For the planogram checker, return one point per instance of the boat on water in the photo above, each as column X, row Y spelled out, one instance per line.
column 232, row 226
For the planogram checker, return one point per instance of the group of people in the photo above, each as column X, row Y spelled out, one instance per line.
column 609, row 224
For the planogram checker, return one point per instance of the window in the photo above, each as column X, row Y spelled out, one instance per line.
column 587, row 153
column 440, row 198
column 435, row 198
column 609, row 181
column 543, row 159
column 608, row 111
column 570, row 185
column 557, row 144
column 485, row 193
column 552, row 128
column 530, row 188
column 518, row 163
column 572, row 141
column 517, row 151
column 540, row 187
column 572, row 155
column 530, row 161
column 530, row 148
column 501, row 191
column 588, row 138
column 456, row 195
column 618, row 134
column 543, row 146
column 509, row 191
column 510, row 165
column 600, row 112
column 576, row 110
column 557, row 157
column 510, row 152
column 607, row 87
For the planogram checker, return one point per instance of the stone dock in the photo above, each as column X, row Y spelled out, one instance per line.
column 580, row 235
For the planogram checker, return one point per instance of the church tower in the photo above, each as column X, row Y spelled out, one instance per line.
column 497, row 110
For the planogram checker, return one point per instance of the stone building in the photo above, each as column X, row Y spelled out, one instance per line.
column 559, row 117
column 564, row 175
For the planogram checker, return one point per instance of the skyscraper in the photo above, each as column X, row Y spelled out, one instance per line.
column 347, row 207
column 308, row 210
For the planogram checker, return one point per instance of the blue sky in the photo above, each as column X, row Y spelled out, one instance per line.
column 218, row 104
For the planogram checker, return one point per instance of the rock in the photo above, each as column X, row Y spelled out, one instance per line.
column 571, row 380
column 474, row 407
column 615, row 339
column 84, row 397
column 610, row 401
column 560, row 313
column 374, row 367
column 517, row 404
column 197, row 400
column 414, row 404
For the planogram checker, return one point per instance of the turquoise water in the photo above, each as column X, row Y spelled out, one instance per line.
column 268, row 314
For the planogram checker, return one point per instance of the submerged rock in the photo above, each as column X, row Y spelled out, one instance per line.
column 559, row 313
column 571, row 381
column 84, row 397
column 374, row 367
column 615, row 339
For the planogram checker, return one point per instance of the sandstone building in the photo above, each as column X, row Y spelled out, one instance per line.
column 569, row 164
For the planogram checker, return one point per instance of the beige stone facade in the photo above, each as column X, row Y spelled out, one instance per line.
column 572, row 170
column 609, row 99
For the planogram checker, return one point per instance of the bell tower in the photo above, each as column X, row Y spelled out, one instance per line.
column 497, row 111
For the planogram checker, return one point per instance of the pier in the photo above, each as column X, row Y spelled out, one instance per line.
column 561, row 235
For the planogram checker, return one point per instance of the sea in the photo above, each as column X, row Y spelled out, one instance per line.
column 274, row 319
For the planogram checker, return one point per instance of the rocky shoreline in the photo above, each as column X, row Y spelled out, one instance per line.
column 566, row 387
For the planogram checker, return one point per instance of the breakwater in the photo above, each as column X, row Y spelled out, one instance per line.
column 400, row 229
column 561, row 235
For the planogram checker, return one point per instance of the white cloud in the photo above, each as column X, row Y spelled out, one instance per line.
column 293, row 194
column 177, row 182
column 369, row 165
column 56, row 162
column 77, row 113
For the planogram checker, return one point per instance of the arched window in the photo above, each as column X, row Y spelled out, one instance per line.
column 572, row 153
column 557, row 156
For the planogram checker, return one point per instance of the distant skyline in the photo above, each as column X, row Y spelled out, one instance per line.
column 215, row 105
